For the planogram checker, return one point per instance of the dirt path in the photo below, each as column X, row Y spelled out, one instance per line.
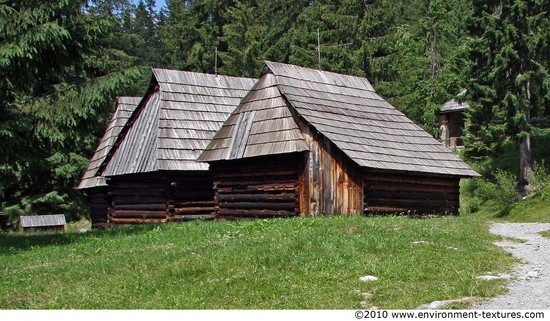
column 530, row 288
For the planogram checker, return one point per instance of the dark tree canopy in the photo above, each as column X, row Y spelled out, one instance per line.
column 510, row 84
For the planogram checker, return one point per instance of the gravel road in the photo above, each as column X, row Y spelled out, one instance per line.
column 530, row 288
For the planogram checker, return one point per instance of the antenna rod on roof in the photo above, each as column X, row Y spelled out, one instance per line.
column 216, row 62
column 319, row 48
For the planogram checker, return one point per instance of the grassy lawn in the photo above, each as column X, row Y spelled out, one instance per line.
column 545, row 234
column 533, row 209
column 263, row 264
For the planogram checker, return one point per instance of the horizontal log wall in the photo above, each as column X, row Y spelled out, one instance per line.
column 394, row 192
column 138, row 199
column 191, row 196
column 161, row 197
column 99, row 206
column 259, row 187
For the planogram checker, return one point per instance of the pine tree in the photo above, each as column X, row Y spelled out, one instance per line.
column 59, row 75
column 193, row 31
column 279, row 17
column 328, row 27
column 510, row 84
column 243, row 36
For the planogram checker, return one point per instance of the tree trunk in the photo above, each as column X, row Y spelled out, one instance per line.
column 525, row 165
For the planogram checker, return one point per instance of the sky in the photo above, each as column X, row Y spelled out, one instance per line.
column 158, row 4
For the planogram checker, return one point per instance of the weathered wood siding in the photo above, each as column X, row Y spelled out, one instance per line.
column 330, row 182
column 260, row 187
column 161, row 197
column 410, row 193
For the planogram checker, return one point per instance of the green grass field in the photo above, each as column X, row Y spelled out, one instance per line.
column 262, row 264
column 534, row 209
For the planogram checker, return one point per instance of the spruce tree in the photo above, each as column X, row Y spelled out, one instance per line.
column 60, row 79
column 192, row 33
column 243, row 35
column 510, row 80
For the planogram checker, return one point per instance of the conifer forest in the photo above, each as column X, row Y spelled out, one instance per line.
column 63, row 63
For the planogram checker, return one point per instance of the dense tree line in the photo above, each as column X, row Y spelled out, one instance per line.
column 64, row 61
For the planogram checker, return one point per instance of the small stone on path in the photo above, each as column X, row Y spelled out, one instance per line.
column 500, row 276
column 488, row 277
column 436, row 305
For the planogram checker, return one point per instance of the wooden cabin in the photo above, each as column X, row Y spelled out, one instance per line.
column 452, row 122
column 308, row 142
column 94, row 185
column 43, row 223
column 152, row 171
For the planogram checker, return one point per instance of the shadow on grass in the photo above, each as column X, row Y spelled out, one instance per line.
column 15, row 243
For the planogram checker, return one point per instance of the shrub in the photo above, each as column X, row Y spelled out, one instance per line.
column 503, row 191
column 13, row 212
column 540, row 180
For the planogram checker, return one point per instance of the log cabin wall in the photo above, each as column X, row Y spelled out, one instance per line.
column 387, row 192
column 99, row 206
column 258, row 187
column 331, row 183
column 191, row 196
column 161, row 197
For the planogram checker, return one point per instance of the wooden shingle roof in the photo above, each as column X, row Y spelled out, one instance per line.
column 42, row 220
column 178, row 117
column 346, row 110
column 125, row 106
column 454, row 105
column 261, row 125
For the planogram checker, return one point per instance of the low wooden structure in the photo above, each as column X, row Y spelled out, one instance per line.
column 308, row 142
column 151, row 170
column 452, row 122
column 43, row 223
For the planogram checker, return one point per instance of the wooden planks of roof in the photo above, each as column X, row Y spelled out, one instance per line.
column 346, row 110
column 177, row 118
column 454, row 105
column 53, row 222
column 261, row 125
column 125, row 106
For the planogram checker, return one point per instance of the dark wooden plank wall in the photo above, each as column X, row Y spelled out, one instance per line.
column 191, row 196
column 161, row 197
column 330, row 182
column 387, row 192
column 456, row 125
column 99, row 206
column 138, row 199
column 258, row 187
